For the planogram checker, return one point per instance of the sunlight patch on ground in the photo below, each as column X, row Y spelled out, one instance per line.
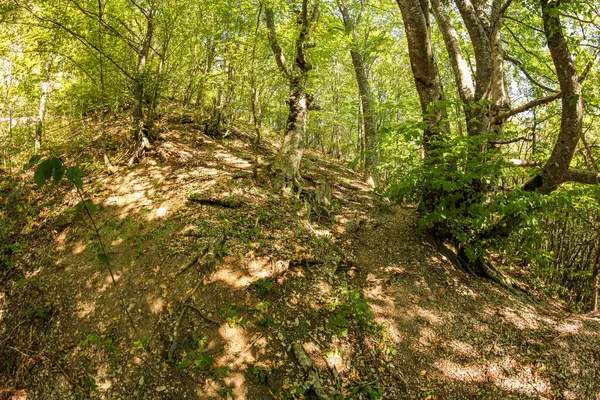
column 462, row 348
column 430, row 316
column 236, row 382
column 232, row 160
column 232, row 276
column 520, row 319
column 210, row 390
column 61, row 240
column 157, row 305
column 569, row 328
column 101, row 378
column 108, row 281
column 467, row 374
column 238, row 351
column 85, row 309
column 79, row 247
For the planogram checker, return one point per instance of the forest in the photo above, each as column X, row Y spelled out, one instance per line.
column 300, row 199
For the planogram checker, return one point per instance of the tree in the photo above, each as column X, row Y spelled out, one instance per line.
column 287, row 165
column 369, row 119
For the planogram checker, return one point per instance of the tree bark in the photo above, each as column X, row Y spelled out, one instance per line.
column 139, row 82
column 45, row 85
column 286, row 167
column 369, row 118
column 556, row 169
column 415, row 15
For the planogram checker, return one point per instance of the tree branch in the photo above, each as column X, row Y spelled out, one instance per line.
column 528, row 106
column 523, row 138
column 531, row 79
column 582, row 176
column 589, row 65
column 272, row 35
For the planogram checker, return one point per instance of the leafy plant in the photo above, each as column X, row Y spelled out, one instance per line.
column 196, row 358
column 95, row 339
column 257, row 375
column 264, row 286
column 350, row 308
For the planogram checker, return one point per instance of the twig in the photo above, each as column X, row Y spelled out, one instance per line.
column 176, row 328
column 193, row 260
column 193, row 307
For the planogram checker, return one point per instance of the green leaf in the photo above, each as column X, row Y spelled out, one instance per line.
column 74, row 174
column 58, row 173
column 32, row 161
column 45, row 170
column 184, row 364
column 103, row 258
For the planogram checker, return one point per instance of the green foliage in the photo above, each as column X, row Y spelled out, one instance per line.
column 348, row 309
column 196, row 358
column 97, row 340
column 257, row 375
column 41, row 313
column 52, row 167
column 264, row 286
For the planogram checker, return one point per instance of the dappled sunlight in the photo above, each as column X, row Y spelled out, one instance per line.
column 84, row 309
column 232, row 160
column 467, row 374
column 108, row 281
column 569, row 328
column 232, row 276
column 430, row 316
column 79, row 247
column 520, row 319
column 461, row 348
column 209, row 390
column 236, row 381
column 157, row 305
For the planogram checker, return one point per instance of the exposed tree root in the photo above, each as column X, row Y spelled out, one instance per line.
column 480, row 267
column 313, row 381
column 143, row 145
column 225, row 203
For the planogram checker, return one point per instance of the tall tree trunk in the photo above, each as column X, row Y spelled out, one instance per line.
column 369, row 119
column 139, row 128
column 286, row 167
column 45, row 86
column 103, row 137
column 139, row 84
column 415, row 15
column 556, row 169
column 596, row 278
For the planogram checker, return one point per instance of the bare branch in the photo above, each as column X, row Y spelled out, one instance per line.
column 521, row 138
column 531, row 79
column 272, row 35
column 589, row 65
column 528, row 106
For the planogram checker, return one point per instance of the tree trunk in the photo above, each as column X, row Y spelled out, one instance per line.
column 139, row 128
column 138, row 86
column 415, row 15
column 286, row 167
column 556, row 169
column 45, row 86
column 369, row 119
column 103, row 137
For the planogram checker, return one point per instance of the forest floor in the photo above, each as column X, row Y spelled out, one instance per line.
column 378, row 311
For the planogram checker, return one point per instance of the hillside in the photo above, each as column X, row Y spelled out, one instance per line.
column 238, row 292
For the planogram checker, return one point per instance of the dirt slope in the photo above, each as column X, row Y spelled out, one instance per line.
column 378, row 312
